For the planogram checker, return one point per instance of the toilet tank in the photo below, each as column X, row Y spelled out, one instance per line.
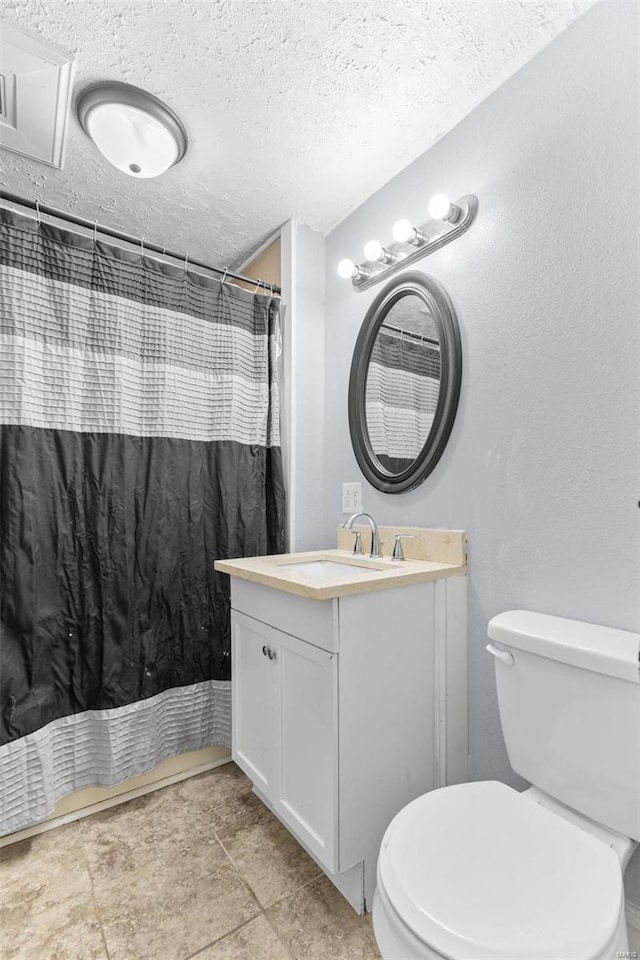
column 570, row 712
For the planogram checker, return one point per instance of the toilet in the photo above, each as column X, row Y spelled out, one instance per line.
column 479, row 871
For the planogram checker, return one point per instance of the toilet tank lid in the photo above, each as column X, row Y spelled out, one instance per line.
column 606, row 650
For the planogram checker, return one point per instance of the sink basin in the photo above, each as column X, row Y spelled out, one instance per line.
column 319, row 570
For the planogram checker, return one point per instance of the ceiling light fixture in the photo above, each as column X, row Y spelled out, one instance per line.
column 136, row 132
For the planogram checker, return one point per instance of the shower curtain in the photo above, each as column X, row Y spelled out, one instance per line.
column 403, row 385
column 139, row 441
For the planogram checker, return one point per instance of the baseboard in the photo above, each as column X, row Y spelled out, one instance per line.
column 87, row 811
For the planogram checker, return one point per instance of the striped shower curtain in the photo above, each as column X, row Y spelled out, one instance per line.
column 403, row 386
column 139, row 441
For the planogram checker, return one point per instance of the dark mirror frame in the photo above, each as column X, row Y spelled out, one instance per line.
column 441, row 307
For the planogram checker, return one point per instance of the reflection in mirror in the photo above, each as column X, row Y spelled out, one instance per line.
column 403, row 383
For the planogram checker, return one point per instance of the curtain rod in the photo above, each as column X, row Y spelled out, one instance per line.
column 137, row 241
column 409, row 333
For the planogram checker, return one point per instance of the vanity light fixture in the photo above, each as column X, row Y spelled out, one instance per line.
column 373, row 250
column 411, row 243
column 135, row 131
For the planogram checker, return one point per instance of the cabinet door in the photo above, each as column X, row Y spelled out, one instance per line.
column 254, row 710
column 307, row 796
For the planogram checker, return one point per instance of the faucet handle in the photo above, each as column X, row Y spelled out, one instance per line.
column 357, row 543
column 398, row 552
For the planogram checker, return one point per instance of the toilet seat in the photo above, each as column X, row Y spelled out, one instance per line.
column 478, row 871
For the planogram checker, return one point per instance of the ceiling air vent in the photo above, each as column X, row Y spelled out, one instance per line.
column 35, row 88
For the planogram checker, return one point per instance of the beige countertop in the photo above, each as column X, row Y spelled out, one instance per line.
column 346, row 574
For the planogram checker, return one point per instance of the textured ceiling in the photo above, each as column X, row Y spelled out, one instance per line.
column 294, row 108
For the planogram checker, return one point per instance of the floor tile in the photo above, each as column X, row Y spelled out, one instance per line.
column 317, row 923
column 133, row 834
column 35, row 874
column 270, row 860
column 164, row 888
column 170, row 909
column 70, row 930
column 224, row 795
column 256, row 940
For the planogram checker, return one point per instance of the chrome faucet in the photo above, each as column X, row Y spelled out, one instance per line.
column 375, row 539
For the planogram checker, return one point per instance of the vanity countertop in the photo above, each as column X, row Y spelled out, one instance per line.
column 325, row 574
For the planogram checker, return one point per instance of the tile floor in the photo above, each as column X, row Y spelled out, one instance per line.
column 200, row 869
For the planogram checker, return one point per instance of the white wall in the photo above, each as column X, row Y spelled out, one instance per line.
column 303, row 446
column 542, row 465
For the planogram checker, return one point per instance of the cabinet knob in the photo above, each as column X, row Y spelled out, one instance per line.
column 271, row 653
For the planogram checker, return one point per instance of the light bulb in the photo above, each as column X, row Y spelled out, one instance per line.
column 405, row 232
column 347, row 269
column 373, row 250
column 441, row 208
column 402, row 231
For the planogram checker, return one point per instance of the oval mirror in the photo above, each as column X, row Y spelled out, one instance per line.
column 405, row 383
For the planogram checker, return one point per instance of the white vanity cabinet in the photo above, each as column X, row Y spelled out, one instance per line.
column 346, row 709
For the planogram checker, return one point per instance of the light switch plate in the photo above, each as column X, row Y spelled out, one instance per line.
column 352, row 497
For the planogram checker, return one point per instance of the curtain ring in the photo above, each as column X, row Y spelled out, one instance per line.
column 186, row 262
column 224, row 275
column 257, row 285
column 95, row 231
column 142, row 246
column 38, row 220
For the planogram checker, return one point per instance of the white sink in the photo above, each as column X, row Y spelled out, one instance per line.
column 319, row 570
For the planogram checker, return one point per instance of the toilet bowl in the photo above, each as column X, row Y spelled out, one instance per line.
column 479, row 871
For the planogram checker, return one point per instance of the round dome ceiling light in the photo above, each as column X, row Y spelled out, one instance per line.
column 135, row 131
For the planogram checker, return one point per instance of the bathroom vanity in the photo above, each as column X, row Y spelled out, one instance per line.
column 350, row 691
